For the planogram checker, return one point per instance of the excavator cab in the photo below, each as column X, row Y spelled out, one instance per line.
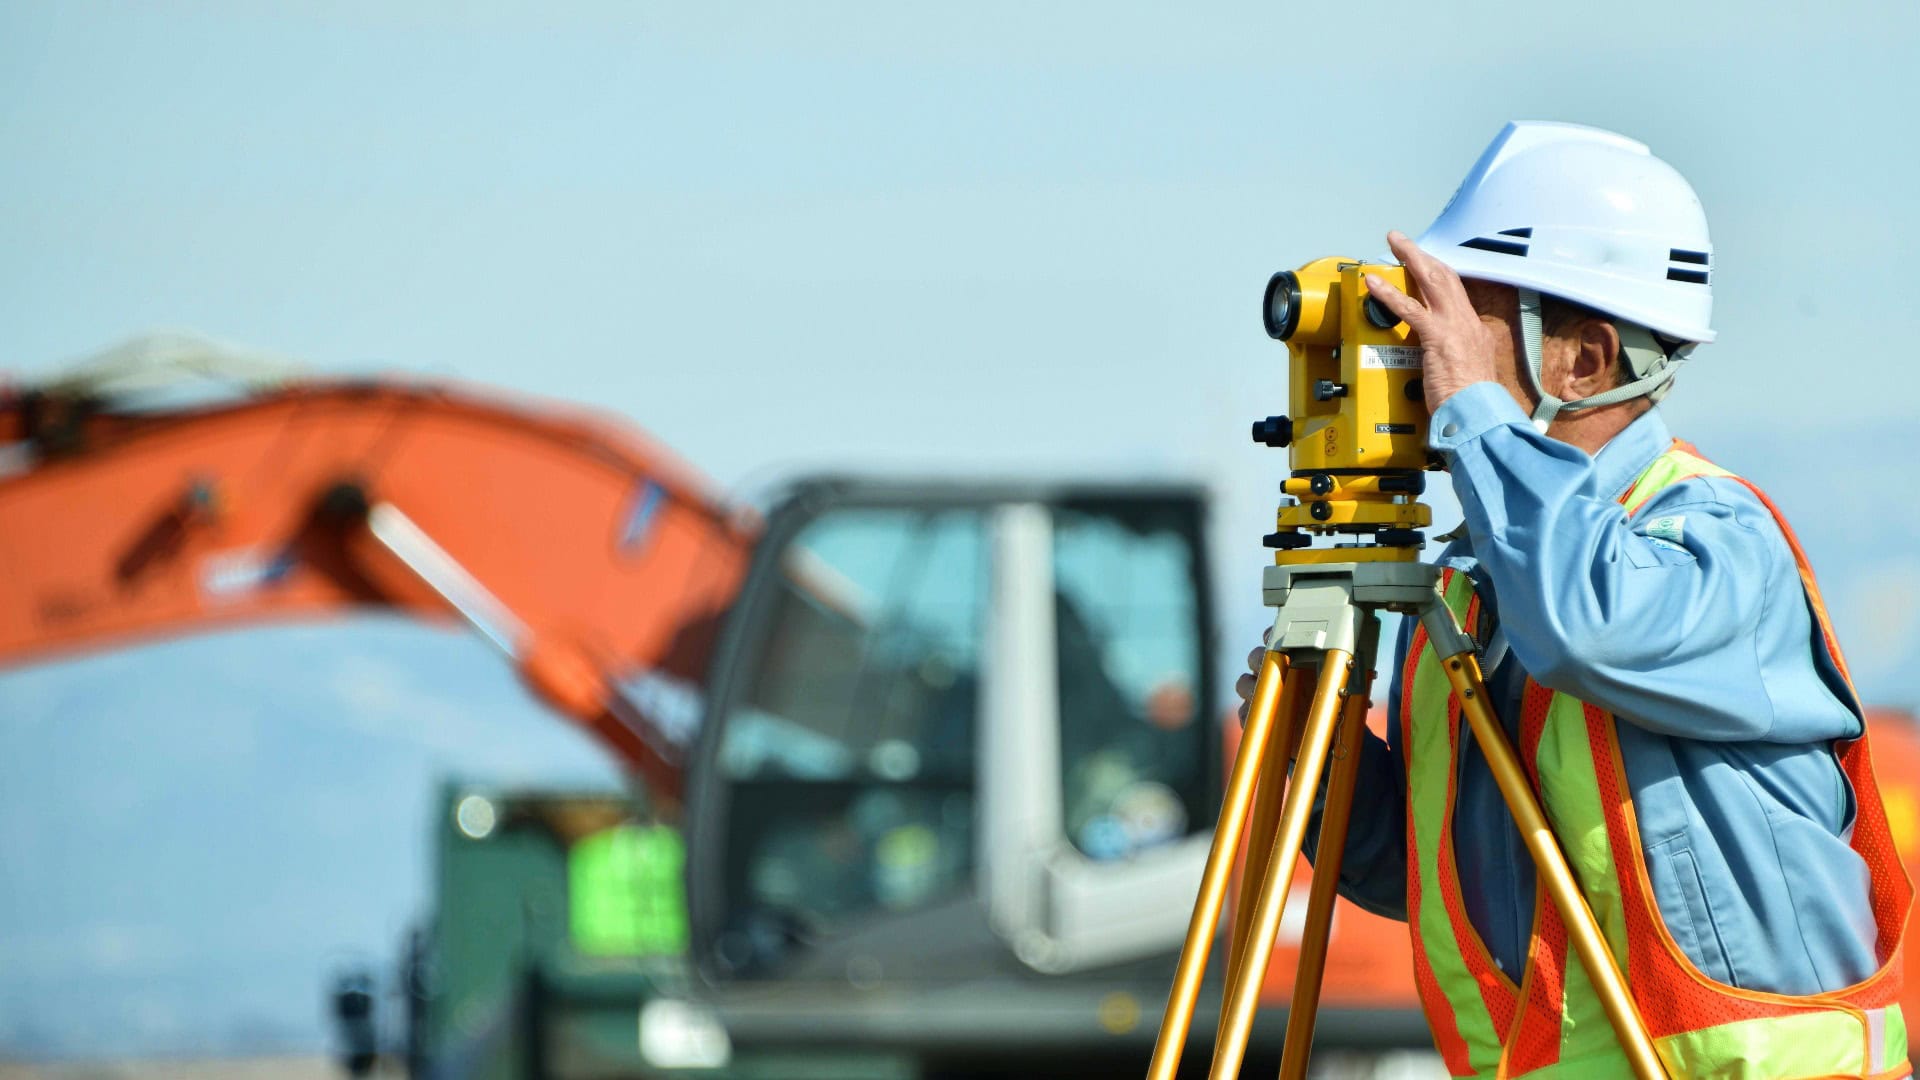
column 954, row 734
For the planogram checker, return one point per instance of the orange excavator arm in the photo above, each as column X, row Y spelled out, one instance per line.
column 581, row 549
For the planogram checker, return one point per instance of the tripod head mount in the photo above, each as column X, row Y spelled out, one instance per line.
column 1356, row 422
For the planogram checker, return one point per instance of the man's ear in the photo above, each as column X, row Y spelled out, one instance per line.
column 1597, row 360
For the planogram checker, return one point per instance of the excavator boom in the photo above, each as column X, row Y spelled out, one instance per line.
column 584, row 551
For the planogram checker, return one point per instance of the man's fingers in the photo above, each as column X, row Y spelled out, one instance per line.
column 1244, row 687
column 1436, row 282
column 1410, row 311
column 1254, row 658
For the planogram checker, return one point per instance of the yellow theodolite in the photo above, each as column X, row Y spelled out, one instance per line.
column 1356, row 432
column 1357, row 424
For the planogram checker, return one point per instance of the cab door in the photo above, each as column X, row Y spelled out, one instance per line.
column 1102, row 772
column 953, row 732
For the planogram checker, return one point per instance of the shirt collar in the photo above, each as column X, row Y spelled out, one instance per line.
column 1627, row 455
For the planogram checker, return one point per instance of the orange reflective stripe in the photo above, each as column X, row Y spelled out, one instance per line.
column 1535, row 1040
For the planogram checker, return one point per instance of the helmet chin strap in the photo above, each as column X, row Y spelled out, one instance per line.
column 1652, row 366
column 1549, row 406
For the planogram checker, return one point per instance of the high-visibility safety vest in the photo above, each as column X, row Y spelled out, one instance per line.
column 1551, row 1024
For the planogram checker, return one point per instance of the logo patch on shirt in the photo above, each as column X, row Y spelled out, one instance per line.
column 1671, row 528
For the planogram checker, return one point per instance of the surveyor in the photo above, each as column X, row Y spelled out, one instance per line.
column 1657, row 651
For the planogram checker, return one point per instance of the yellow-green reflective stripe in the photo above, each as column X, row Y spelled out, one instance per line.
column 1458, row 596
column 1667, row 468
column 1431, row 770
column 1809, row 1044
column 1571, row 794
column 1818, row 1044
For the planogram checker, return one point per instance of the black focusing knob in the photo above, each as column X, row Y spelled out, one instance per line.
column 1320, row 483
column 1275, row 431
column 1320, row 511
column 1285, row 541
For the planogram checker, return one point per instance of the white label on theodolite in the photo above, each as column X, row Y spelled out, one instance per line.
column 1392, row 357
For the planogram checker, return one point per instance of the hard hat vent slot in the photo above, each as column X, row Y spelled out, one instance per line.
column 1526, row 233
column 1697, row 277
column 1499, row 247
column 1681, row 255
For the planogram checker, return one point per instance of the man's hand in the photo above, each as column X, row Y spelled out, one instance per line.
column 1244, row 684
column 1458, row 347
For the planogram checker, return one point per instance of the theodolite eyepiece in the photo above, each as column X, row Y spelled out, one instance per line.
column 1378, row 315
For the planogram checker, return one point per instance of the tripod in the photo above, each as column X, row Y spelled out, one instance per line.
column 1328, row 623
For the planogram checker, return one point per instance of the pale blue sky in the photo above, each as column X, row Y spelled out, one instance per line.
column 982, row 238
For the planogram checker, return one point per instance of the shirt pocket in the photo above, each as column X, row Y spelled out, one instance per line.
column 1646, row 552
column 1682, row 898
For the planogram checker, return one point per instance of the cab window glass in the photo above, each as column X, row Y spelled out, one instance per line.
column 851, row 756
column 1127, row 620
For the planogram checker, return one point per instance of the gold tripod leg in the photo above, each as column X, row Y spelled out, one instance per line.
column 1213, row 881
column 1267, row 798
column 1243, row 994
column 1463, row 671
column 1334, row 818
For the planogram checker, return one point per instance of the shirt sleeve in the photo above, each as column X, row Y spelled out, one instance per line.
column 1373, row 867
column 1656, row 618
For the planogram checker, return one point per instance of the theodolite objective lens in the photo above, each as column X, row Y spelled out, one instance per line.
column 1280, row 308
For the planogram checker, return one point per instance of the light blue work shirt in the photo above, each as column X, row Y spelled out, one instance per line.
column 1690, row 625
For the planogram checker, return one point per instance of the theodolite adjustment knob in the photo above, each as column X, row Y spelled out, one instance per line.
column 1275, row 431
column 1284, row 541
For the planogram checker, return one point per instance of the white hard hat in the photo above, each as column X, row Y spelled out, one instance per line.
column 1587, row 215
column 1584, row 214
